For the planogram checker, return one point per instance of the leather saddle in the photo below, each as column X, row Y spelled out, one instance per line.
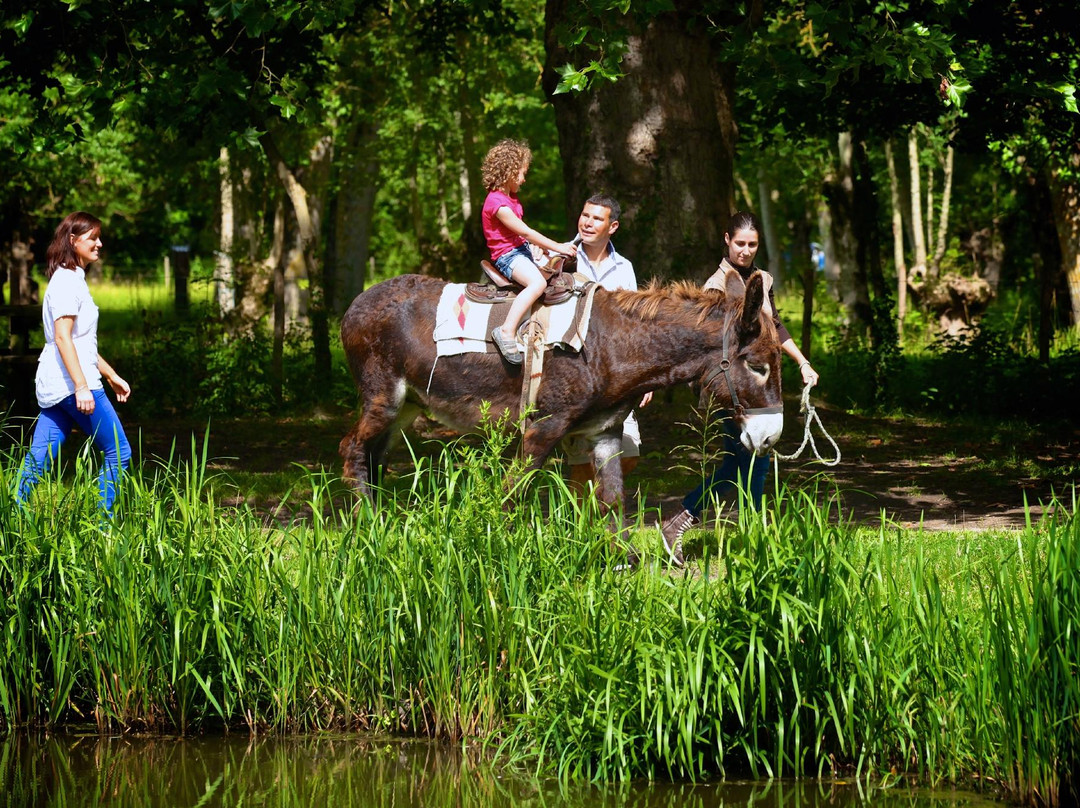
column 495, row 288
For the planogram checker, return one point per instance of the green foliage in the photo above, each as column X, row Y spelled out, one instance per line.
column 202, row 366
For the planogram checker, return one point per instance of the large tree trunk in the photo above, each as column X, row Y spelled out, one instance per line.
column 1065, row 200
column 660, row 139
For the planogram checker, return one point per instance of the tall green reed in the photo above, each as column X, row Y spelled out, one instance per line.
column 477, row 601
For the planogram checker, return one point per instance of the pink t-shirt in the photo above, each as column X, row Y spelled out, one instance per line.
column 500, row 239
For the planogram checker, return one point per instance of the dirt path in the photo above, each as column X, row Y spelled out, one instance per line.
column 943, row 476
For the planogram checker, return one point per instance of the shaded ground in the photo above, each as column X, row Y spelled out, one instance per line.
column 960, row 475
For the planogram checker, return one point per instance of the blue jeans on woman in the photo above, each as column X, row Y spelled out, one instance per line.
column 53, row 427
column 741, row 467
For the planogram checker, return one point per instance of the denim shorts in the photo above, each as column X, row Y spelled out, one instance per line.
column 517, row 258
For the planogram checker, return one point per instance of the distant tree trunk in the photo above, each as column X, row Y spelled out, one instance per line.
column 308, row 240
column 473, row 191
column 870, row 272
column 898, row 240
column 351, row 219
column 807, row 274
column 843, row 222
column 20, row 258
column 943, row 219
column 1065, row 198
column 416, row 210
column 224, row 291
column 772, row 243
column 917, row 231
column 660, row 139
column 442, row 216
column 277, row 359
column 744, row 190
column 929, row 218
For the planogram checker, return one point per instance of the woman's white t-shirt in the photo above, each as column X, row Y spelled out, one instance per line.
column 67, row 295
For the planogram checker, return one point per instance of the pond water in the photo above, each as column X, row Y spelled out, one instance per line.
column 348, row 771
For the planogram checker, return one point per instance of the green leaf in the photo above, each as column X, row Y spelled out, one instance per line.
column 956, row 91
column 1068, row 94
column 287, row 107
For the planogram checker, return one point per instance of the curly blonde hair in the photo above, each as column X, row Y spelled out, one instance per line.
column 503, row 161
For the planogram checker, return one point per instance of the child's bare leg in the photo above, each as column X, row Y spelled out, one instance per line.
column 533, row 282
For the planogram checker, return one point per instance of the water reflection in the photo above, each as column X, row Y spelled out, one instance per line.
column 348, row 772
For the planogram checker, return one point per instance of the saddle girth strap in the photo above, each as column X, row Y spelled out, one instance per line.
column 532, row 369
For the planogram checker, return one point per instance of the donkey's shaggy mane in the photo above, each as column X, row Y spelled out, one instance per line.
column 678, row 302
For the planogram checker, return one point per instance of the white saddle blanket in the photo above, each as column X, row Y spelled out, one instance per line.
column 463, row 326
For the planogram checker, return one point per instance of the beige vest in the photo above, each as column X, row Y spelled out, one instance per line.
column 717, row 281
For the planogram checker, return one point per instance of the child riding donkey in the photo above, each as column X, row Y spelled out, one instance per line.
column 511, row 241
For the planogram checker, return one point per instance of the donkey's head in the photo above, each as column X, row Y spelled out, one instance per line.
column 745, row 378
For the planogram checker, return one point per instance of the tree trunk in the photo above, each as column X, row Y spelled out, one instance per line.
column 870, row 272
column 443, row 216
column 472, row 183
column 768, row 222
column 1065, row 200
column 20, row 259
column 354, row 207
column 898, row 240
column 660, row 139
column 840, row 196
column 917, row 231
column 929, row 218
column 943, row 219
column 277, row 358
column 224, row 292
column 308, row 241
column 807, row 274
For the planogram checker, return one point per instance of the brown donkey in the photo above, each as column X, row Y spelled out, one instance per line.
column 637, row 342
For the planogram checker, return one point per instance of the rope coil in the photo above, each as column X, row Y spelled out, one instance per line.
column 809, row 413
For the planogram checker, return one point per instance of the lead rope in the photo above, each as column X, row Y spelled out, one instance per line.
column 810, row 415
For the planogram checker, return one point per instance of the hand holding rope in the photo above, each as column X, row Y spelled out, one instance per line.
column 809, row 414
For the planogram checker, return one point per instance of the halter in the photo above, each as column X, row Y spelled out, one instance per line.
column 723, row 367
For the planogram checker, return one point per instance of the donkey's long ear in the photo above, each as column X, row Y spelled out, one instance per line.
column 755, row 297
column 734, row 286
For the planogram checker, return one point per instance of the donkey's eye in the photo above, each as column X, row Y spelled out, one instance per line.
column 760, row 370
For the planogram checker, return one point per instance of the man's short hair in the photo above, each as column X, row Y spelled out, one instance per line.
column 605, row 201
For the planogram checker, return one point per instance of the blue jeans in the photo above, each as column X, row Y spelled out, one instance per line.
column 735, row 470
column 53, row 427
column 515, row 259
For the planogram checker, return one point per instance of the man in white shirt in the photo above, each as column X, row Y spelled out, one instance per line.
column 598, row 261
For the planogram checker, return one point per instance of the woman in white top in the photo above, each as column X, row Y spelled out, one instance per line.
column 70, row 371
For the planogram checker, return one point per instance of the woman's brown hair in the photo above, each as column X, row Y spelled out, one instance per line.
column 61, row 252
